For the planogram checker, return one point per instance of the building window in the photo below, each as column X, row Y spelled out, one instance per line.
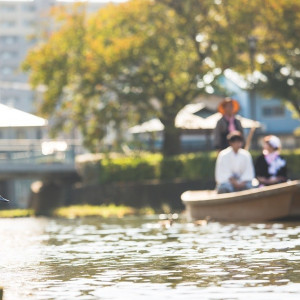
column 9, row 39
column 8, row 55
column 273, row 111
column 32, row 40
column 8, row 24
column 10, row 101
column 7, row 8
column 28, row 8
column 29, row 23
column 7, row 71
column 20, row 134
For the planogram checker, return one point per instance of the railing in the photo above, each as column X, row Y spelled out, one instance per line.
column 39, row 151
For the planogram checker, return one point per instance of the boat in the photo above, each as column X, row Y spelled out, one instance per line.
column 278, row 201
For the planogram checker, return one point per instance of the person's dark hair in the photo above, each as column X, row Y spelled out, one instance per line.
column 234, row 136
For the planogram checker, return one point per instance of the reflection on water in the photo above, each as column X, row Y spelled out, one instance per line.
column 134, row 258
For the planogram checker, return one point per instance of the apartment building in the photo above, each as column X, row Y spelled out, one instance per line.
column 21, row 23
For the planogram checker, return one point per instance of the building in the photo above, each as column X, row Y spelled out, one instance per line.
column 21, row 23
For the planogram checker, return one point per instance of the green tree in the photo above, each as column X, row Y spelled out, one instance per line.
column 275, row 24
column 151, row 57
column 279, row 37
column 127, row 62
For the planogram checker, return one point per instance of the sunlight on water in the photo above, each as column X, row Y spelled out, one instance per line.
column 134, row 258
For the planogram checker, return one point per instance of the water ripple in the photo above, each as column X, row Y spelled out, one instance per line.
column 94, row 258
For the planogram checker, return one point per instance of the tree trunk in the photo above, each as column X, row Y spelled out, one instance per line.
column 171, row 142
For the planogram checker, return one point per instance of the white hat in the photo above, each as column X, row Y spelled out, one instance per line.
column 274, row 141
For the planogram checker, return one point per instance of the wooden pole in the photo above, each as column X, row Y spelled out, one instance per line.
column 249, row 138
column 1, row 293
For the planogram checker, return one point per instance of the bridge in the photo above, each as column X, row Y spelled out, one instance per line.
column 37, row 158
column 25, row 161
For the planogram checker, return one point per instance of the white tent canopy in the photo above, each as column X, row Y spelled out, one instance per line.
column 211, row 122
column 149, row 126
column 187, row 120
column 12, row 117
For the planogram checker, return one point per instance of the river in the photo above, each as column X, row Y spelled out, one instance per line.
column 136, row 258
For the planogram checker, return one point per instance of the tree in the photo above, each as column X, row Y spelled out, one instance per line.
column 280, row 47
column 134, row 58
column 152, row 57
column 275, row 25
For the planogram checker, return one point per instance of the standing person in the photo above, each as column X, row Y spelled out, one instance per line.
column 227, row 123
column 234, row 168
column 270, row 167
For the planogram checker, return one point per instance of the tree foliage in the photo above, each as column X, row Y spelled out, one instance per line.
column 280, row 46
column 151, row 57
column 133, row 59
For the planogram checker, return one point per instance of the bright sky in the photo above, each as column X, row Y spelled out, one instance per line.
column 70, row 0
column 91, row 0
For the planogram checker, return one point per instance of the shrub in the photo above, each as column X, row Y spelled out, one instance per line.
column 171, row 168
column 128, row 169
column 194, row 166
column 293, row 163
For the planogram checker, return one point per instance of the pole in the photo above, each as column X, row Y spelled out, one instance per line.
column 252, row 49
column 249, row 138
column 252, row 40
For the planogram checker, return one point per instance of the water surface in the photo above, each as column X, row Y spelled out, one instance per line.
column 137, row 258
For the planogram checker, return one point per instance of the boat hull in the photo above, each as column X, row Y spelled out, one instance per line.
column 260, row 204
column 295, row 206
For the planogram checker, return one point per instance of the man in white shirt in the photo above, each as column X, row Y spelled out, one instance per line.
column 234, row 167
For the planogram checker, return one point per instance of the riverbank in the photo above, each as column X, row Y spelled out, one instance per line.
column 105, row 211
column 16, row 213
column 85, row 210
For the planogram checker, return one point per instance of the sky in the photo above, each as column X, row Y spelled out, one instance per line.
column 71, row 0
column 91, row 0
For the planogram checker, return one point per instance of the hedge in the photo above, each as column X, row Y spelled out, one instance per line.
column 195, row 166
column 147, row 167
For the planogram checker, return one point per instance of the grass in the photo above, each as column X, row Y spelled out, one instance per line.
column 76, row 211
column 85, row 210
column 16, row 213
column 105, row 211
